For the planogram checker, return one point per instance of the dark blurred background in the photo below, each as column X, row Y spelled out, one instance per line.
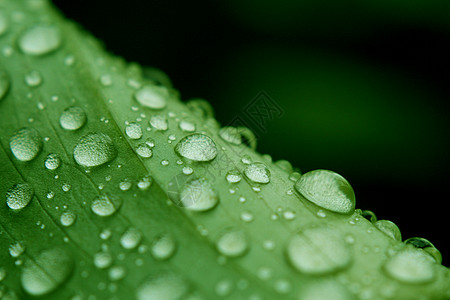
column 364, row 85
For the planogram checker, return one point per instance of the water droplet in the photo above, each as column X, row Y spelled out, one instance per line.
column 426, row 246
column 102, row 260
column 145, row 183
column 67, row 218
column 52, row 162
column 125, row 185
column 233, row 176
column 133, row 131
column 159, row 122
column 389, row 228
column 318, row 251
column 197, row 147
column 328, row 190
column 105, row 234
column 152, row 96
column 163, row 247
column 368, row 214
column 284, row 165
column 198, row 195
column 19, row 196
column 187, row 126
column 411, row 265
column 46, row 272
column 66, row 187
column 232, row 243
column 162, row 286
column 143, row 150
column 72, row 118
column 283, row 286
column 116, row 273
column 16, row 249
column 130, row 238
column 106, row 80
column 289, row 215
column 40, row 39
column 231, row 135
column 201, row 108
column 33, row 79
column 326, row 289
column 187, row 170
column 26, row 144
column 257, row 172
column 246, row 216
column 94, row 150
column 224, row 287
column 105, row 206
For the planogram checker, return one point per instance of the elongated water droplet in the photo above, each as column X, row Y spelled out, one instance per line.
column 26, row 144
column 318, row 251
column 389, row 228
column 328, row 190
column 152, row 96
column 19, row 196
column 426, row 246
column 411, row 265
column 4, row 84
column 159, row 122
column 33, row 79
column 248, row 137
column 231, row 135
column 52, row 162
column 187, row 126
column 72, row 118
column 233, row 176
column 46, row 272
column 232, row 244
column 130, row 238
column 162, row 286
column 40, row 39
column 67, row 218
column 134, row 131
column 198, row 195
column 94, row 150
column 125, row 185
column 257, row 172
column 197, row 147
column 105, row 206
column 163, row 247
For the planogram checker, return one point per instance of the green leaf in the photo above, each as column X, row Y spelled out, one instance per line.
column 114, row 188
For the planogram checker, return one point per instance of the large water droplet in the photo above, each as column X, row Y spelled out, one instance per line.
column 52, row 162
column 163, row 247
column 105, row 206
column 411, row 265
column 19, row 196
column 46, row 272
column 318, row 251
column 197, row 147
column 94, row 149
column 257, row 172
column 4, row 84
column 67, row 218
column 162, row 286
column 231, row 135
column 426, row 246
column 130, row 238
column 232, row 243
column 328, row 190
column 389, row 228
column 198, row 195
column 40, row 39
column 26, row 144
column 134, row 131
column 152, row 96
column 73, row 118
column 159, row 122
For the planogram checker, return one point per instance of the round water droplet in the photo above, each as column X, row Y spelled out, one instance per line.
column 233, row 176
column 159, row 122
column 67, row 218
column 198, row 195
column 231, row 135
column 46, row 272
column 187, row 126
column 163, row 247
column 116, row 273
column 328, row 190
column 105, row 206
column 25, row 144
column 389, row 228
column 318, row 251
column 72, row 118
column 197, row 147
column 52, row 162
column 284, row 165
column 19, row 196
column 411, row 265
column 4, row 84
column 33, row 79
column 94, row 150
column 232, row 244
column 134, row 131
column 326, row 289
column 162, row 286
column 143, row 150
column 130, row 238
column 40, row 39
column 257, row 172
column 188, row 170
column 152, row 96
column 426, row 246
column 102, row 260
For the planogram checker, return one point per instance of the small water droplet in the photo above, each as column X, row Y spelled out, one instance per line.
column 144, row 151
column 197, row 147
column 94, row 150
column 233, row 176
column 328, row 190
column 318, row 251
column 40, row 39
column 187, row 170
column 163, row 247
column 231, row 135
column 67, row 218
column 52, row 162
column 152, row 96
column 369, row 215
column 130, row 238
column 105, row 206
column 33, row 79
column 389, row 228
column 66, row 187
column 283, row 286
column 16, row 249
column 106, row 80
column 224, row 287
column 72, row 118
column 246, row 160
column 232, row 243
column 145, row 183
column 102, row 260
column 289, row 215
column 187, row 125
column 163, row 285
column 25, row 144
column 257, row 172
column 269, row 245
column 197, row 194
column 159, row 122
column 116, row 273
column 19, row 196
column 246, row 216
column 46, row 272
